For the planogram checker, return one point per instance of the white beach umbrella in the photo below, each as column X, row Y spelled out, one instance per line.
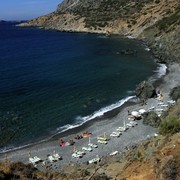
column 135, row 113
column 142, row 111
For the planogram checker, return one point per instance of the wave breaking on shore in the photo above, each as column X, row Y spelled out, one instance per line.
column 81, row 120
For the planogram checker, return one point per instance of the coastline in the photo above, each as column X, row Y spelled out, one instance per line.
column 100, row 115
column 98, row 126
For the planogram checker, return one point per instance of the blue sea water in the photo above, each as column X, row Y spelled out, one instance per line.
column 50, row 81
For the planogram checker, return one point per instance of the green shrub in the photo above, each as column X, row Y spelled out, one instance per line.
column 168, row 21
column 170, row 126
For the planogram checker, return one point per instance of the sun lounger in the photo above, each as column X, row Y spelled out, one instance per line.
column 75, row 155
column 87, row 148
column 122, row 128
column 114, row 153
column 51, row 158
column 160, row 103
column 37, row 159
column 94, row 160
column 80, row 152
column 31, row 160
column 129, row 125
column 34, row 160
column 164, row 105
column 93, row 145
column 160, row 110
column 151, row 108
column 142, row 111
column 102, row 141
column 171, row 102
column 134, row 123
column 102, row 138
column 57, row 156
column 115, row 134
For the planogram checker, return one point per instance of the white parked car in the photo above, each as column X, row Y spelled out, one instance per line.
column 87, row 148
column 93, row 145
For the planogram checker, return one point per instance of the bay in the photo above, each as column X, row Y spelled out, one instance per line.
column 51, row 80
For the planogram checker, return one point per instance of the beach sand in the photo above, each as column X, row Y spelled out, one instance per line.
column 97, row 127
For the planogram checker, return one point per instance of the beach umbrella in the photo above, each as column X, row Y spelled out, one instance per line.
column 104, row 134
column 142, row 111
column 29, row 153
column 74, row 148
column 135, row 113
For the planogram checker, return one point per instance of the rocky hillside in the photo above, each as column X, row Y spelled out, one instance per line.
column 155, row 21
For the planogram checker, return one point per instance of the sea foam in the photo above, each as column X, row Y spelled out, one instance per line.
column 159, row 72
column 81, row 120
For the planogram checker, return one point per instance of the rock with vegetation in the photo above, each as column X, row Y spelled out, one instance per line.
column 171, row 121
column 175, row 93
column 145, row 90
column 152, row 119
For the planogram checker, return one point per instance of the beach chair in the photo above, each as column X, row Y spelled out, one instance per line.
column 93, row 145
column 51, row 159
column 151, row 108
column 171, row 102
column 57, row 156
column 31, row 160
column 102, row 141
column 37, row 159
column 115, row 134
column 160, row 110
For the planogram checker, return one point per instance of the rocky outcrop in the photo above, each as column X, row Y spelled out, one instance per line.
column 145, row 90
column 152, row 119
column 175, row 93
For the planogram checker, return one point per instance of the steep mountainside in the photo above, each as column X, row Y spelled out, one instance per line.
column 155, row 21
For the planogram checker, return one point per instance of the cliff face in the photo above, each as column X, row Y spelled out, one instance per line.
column 155, row 21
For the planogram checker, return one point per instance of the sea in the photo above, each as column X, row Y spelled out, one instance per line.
column 53, row 81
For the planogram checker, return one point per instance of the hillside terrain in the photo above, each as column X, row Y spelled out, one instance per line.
column 157, row 22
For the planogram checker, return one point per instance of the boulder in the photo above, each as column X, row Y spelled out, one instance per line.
column 152, row 119
column 175, row 93
column 145, row 90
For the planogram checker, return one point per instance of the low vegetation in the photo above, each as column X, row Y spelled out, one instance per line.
column 166, row 22
column 170, row 126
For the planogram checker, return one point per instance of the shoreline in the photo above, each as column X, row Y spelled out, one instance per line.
column 108, row 122
column 108, row 114
column 97, row 127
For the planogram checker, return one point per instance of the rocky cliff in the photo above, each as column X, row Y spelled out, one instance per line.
column 155, row 21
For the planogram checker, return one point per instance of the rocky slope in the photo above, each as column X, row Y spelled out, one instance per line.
column 155, row 21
